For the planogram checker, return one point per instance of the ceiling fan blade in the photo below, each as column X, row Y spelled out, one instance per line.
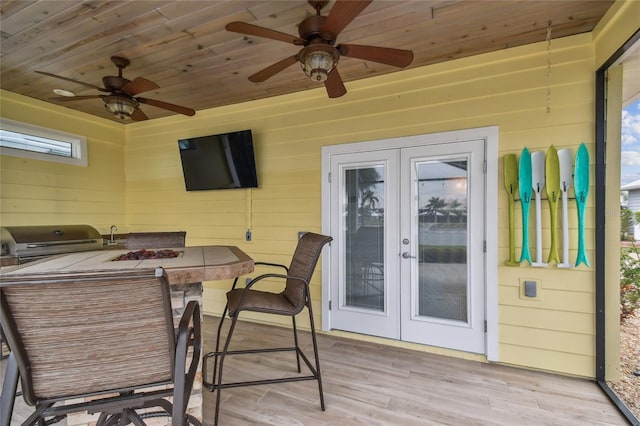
column 342, row 13
column 254, row 30
column 384, row 55
column 76, row 98
column 138, row 115
column 73, row 81
column 165, row 105
column 272, row 70
column 334, row 85
column 138, row 85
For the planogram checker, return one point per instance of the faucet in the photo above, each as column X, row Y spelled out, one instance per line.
column 113, row 228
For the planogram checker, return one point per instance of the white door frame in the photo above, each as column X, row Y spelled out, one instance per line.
column 490, row 136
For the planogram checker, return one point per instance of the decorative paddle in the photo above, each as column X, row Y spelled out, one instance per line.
column 537, row 176
column 565, row 159
column 524, row 184
column 511, row 185
column 552, row 171
column 581, row 189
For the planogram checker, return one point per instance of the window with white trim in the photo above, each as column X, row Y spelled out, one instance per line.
column 40, row 143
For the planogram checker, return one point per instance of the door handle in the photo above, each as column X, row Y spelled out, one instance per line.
column 406, row 255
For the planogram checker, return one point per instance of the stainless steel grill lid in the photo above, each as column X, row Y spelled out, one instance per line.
column 29, row 241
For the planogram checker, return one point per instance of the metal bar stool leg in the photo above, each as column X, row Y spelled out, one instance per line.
column 315, row 353
column 217, row 351
column 295, row 339
column 222, row 356
column 9, row 388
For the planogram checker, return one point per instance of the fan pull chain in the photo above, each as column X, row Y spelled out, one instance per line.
column 548, row 100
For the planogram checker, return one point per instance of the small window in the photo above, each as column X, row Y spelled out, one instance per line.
column 29, row 141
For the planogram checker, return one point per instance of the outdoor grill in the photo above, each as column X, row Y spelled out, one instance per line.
column 27, row 243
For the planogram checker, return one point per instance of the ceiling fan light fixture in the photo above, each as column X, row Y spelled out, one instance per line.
column 318, row 60
column 120, row 106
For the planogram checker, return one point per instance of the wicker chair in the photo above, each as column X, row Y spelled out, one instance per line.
column 146, row 240
column 108, row 337
column 290, row 302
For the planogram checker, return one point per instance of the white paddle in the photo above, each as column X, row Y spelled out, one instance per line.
column 537, row 179
column 565, row 158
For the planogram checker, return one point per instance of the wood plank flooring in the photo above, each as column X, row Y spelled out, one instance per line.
column 372, row 384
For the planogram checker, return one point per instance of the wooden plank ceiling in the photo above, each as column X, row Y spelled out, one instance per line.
column 184, row 48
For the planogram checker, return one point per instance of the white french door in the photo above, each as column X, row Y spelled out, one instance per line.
column 408, row 260
column 442, row 252
column 365, row 255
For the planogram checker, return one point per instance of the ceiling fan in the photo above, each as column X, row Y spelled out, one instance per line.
column 121, row 99
column 318, row 56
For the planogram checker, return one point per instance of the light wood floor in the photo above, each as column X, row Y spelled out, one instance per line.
column 371, row 384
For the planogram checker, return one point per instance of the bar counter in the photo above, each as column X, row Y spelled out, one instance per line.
column 194, row 264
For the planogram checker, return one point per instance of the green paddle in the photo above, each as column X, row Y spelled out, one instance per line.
column 552, row 172
column 511, row 185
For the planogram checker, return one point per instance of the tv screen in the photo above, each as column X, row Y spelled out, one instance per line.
column 223, row 161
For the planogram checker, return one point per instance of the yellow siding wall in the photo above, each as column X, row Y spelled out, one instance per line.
column 506, row 88
column 140, row 187
column 35, row 192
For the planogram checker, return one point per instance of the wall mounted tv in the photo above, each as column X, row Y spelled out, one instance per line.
column 223, row 161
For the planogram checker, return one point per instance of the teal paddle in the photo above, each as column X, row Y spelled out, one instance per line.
column 511, row 186
column 525, row 186
column 552, row 171
column 581, row 189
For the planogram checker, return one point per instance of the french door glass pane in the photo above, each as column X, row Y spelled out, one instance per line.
column 442, row 238
column 364, row 237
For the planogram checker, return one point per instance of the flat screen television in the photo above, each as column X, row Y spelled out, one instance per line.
column 223, row 161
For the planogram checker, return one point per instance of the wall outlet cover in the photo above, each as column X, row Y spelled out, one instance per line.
column 529, row 289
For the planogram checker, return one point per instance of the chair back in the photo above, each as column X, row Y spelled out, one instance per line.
column 145, row 240
column 75, row 334
column 302, row 265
